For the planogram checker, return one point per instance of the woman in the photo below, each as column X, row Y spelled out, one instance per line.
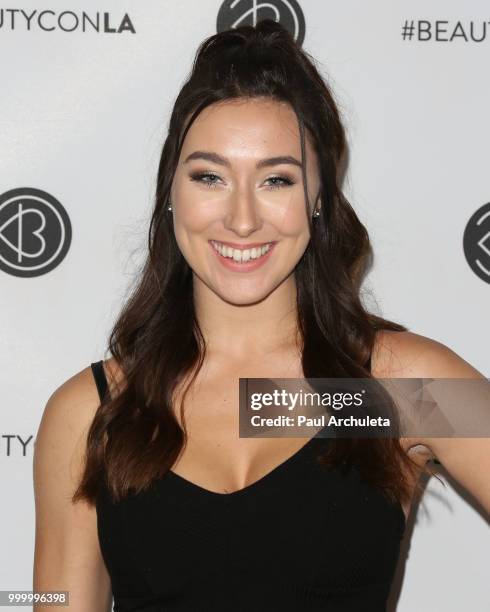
column 254, row 268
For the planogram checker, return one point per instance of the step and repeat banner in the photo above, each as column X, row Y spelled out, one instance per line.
column 86, row 92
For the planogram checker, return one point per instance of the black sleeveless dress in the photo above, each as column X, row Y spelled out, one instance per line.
column 303, row 538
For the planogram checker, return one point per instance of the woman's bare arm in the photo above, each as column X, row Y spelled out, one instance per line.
column 467, row 459
column 67, row 555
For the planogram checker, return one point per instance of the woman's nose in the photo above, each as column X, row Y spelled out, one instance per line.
column 243, row 213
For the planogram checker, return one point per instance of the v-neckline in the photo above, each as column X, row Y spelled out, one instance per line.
column 253, row 485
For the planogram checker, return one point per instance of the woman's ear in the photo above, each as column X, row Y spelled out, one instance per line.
column 318, row 204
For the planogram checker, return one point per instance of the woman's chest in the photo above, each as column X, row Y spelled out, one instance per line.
column 305, row 525
column 216, row 455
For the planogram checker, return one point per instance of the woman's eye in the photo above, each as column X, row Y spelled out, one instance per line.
column 200, row 176
column 285, row 182
column 210, row 179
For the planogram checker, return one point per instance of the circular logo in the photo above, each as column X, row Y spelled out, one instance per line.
column 234, row 13
column 476, row 242
column 35, row 232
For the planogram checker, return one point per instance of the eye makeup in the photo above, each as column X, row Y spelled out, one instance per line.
column 208, row 179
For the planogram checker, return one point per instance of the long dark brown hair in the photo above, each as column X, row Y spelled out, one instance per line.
column 156, row 341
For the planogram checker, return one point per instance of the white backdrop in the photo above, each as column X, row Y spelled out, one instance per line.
column 83, row 116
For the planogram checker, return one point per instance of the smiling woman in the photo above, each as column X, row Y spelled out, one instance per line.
column 247, row 182
column 254, row 270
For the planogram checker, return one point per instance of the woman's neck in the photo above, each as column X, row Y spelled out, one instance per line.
column 245, row 330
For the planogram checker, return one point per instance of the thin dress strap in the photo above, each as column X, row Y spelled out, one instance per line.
column 100, row 379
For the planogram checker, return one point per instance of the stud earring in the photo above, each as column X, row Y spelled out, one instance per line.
column 316, row 213
column 169, row 207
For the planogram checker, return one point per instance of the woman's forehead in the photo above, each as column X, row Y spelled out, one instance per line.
column 247, row 128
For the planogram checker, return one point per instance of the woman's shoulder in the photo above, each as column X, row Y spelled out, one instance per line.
column 70, row 407
column 66, row 419
column 406, row 354
column 410, row 355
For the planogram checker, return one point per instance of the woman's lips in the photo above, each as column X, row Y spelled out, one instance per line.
column 245, row 266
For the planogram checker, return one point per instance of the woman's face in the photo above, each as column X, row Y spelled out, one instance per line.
column 238, row 188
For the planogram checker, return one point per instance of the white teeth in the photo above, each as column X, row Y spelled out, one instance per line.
column 241, row 255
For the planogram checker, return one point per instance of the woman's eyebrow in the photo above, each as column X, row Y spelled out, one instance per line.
column 262, row 163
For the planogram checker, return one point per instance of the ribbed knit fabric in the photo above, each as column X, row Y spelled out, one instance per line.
column 303, row 538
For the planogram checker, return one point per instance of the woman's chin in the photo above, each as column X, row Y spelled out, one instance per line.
column 242, row 297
